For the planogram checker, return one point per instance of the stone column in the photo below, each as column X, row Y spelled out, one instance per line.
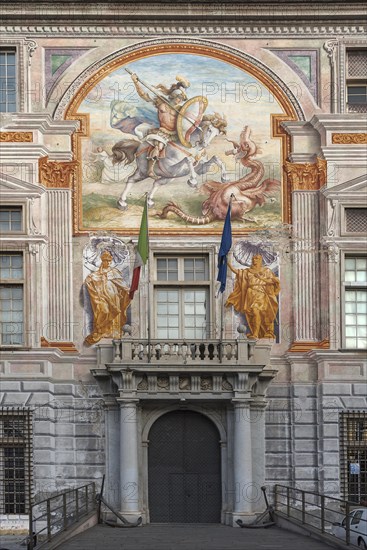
column 242, row 461
column 257, row 412
column 129, row 466
column 113, row 468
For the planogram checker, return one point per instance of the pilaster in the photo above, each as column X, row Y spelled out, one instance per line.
column 59, row 267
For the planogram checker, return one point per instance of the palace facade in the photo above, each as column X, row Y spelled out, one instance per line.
column 260, row 104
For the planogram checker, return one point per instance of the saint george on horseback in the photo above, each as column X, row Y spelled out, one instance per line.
column 174, row 149
column 168, row 111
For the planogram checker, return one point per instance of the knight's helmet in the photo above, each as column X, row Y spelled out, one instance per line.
column 178, row 94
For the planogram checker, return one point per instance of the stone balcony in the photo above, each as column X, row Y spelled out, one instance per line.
column 179, row 369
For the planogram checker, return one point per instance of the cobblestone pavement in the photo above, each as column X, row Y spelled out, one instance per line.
column 190, row 537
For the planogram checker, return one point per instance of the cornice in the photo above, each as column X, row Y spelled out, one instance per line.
column 196, row 11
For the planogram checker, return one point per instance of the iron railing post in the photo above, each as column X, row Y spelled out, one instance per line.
column 77, row 503
column 275, row 497
column 288, row 502
column 86, row 500
column 48, row 519
column 93, row 493
column 347, row 523
column 30, row 528
column 303, row 507
column 322, row 514
column 65, row 521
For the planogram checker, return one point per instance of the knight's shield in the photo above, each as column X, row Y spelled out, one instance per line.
column 191, row 114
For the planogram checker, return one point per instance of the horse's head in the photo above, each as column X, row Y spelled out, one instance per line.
column 211, row 126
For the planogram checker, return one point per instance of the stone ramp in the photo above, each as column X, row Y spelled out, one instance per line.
column 190, row 537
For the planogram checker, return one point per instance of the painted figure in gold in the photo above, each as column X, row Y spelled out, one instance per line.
column 254, row 294
column 109, row 300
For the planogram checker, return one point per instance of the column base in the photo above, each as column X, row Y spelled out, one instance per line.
column 243, row 516
column 131, row 517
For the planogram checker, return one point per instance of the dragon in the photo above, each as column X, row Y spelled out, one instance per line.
column 246, row 192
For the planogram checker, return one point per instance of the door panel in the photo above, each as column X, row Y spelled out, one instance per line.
column 184, row 469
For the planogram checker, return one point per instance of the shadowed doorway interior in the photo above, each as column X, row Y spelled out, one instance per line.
column 184, row 469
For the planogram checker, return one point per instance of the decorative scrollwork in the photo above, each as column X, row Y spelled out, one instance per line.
column 31, row 48
column 16, row 137
column 350, row 139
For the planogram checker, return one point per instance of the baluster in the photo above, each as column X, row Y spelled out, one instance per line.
column 224, row 352
column 189, row 353
column 180, row 352
column 135, row 355
column 148, row 351
column 117, row 351
column 197, row 352
column 215, row 352
column 206, row 351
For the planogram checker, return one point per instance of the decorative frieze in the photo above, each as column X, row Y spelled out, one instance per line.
column 351, row 138
column 184, row 30
column 16, row 137
column 306, row 176
column 56, row 174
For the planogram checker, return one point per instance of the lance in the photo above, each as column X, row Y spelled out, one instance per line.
column 163, row 99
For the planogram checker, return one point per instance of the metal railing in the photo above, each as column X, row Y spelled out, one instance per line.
column 51, row 516
column 324, row 513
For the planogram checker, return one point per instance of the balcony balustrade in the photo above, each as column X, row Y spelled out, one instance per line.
column 142, row 369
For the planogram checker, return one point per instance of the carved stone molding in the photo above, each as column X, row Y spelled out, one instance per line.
column 68, row 347
column 349, row 139
column 185, row 29
column 307, row 176
column 31, row 48
column 56, row 174
column 16, row 137
column 330, row 47
column 69, row 103
column 304, row 347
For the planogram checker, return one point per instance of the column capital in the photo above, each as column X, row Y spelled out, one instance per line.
column 306, row 176
column 127, row 402
column 241, row 403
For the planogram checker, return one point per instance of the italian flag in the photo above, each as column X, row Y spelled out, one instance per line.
column 141, row 252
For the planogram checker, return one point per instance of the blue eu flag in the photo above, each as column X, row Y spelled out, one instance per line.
column 225, row 247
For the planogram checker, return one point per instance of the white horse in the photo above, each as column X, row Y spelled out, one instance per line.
column 177, row 161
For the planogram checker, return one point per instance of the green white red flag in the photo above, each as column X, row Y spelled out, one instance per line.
column 141, row 251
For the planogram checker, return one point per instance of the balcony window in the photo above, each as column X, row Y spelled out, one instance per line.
column 181, row 294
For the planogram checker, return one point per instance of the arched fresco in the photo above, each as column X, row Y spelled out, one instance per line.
column 188, row 128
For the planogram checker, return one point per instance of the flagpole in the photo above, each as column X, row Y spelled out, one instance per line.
column 221, row 328
column 224, row 249
column 148, row 292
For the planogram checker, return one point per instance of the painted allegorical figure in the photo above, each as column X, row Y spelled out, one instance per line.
column 109, row 300
column 254, row 294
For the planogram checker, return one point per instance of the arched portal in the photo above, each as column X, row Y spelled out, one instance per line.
column 184, row 469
